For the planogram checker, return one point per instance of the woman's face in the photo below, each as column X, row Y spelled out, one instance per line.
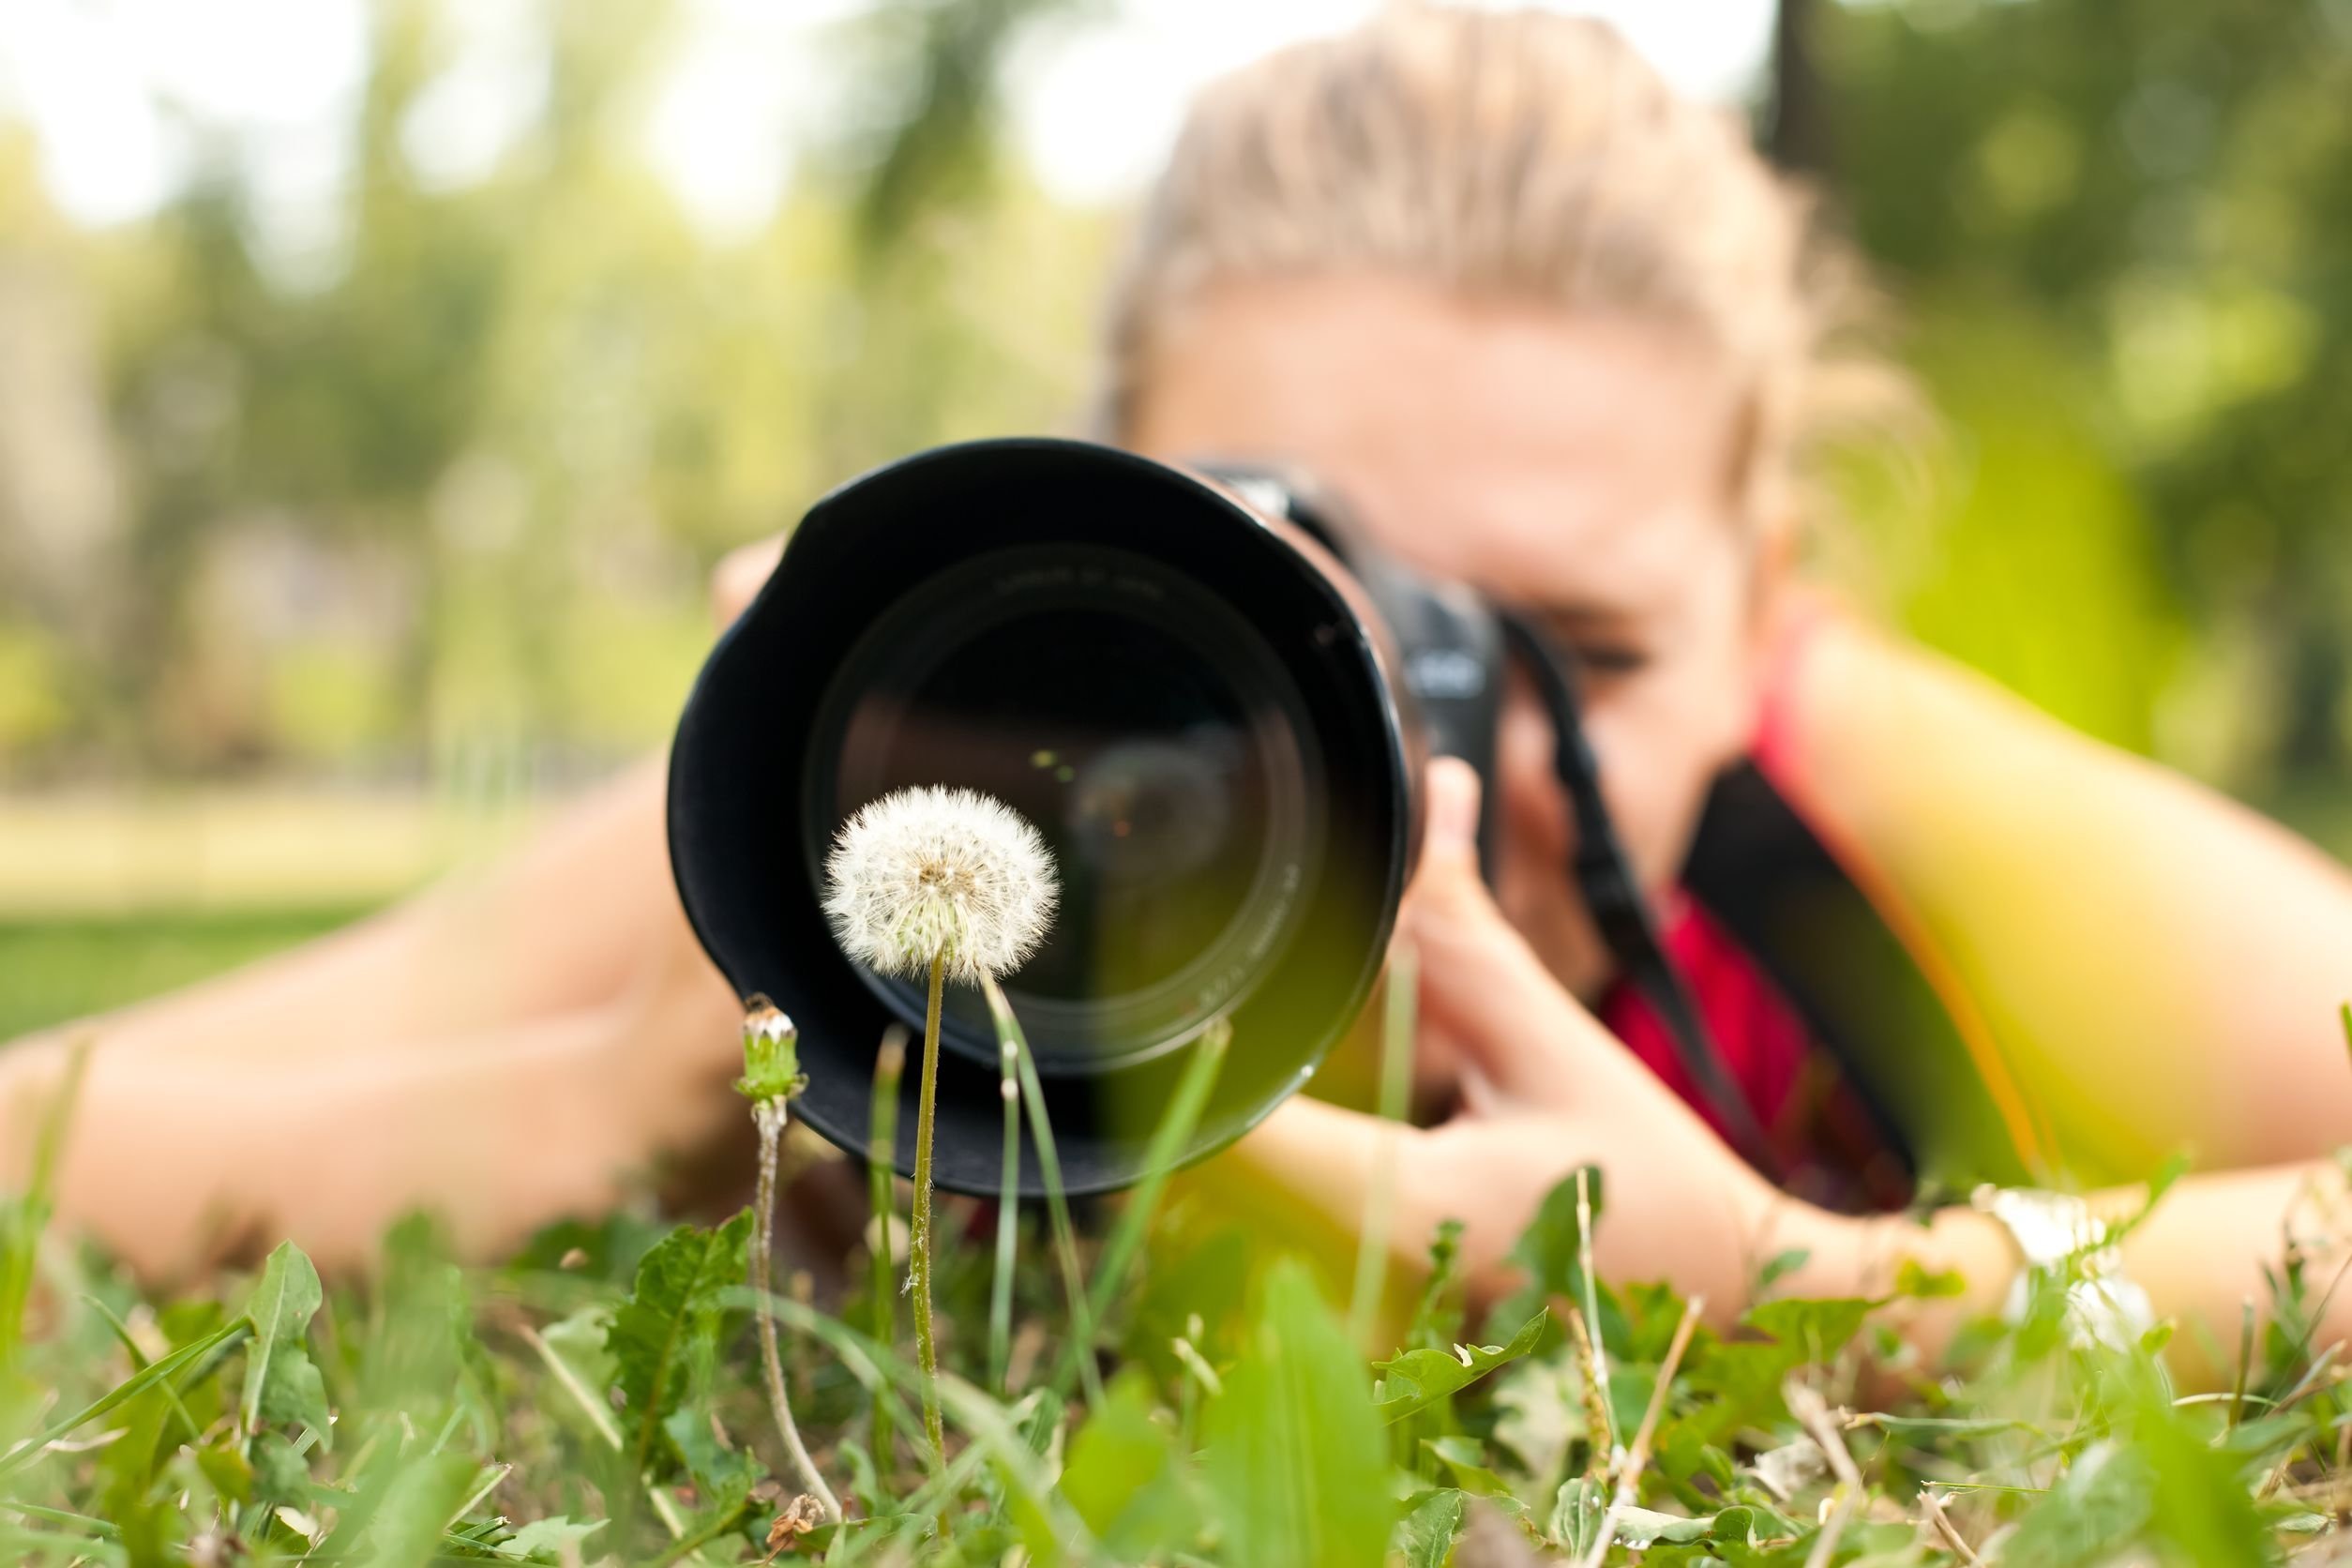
column 1580, row 468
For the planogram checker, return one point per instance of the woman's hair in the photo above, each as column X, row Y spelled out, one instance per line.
column 1528, row 155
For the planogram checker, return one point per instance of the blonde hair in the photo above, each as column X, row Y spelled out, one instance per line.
column 1524, row 154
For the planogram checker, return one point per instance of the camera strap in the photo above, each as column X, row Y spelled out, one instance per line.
column 1611, row 893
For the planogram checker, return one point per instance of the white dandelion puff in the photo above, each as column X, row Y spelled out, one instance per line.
column 928, row 871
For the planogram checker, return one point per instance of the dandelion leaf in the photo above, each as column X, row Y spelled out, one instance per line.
column 546, row 1540
column 1419, row 1379
column 281, row 1384
column 669, row 1328
column 1426, row 1534
column 1123, row 1478
column 1548, row 1251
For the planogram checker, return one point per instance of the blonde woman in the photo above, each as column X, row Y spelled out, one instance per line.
column 1563, row 336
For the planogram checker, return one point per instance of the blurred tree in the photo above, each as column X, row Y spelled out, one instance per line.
column 449, row 495
column 2151, row 194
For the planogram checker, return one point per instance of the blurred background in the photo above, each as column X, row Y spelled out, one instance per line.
column 379, row 379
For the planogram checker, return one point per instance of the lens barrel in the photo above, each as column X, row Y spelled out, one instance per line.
column 1192, row 710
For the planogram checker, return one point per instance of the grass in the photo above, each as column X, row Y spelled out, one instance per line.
column 599, row 1398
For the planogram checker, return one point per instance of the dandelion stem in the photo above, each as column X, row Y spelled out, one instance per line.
column 1607, row 1437
column 1008, row 1208
column 1637, row 1457
column 881, row 1152
column 919, row 1255
column 769, row 1115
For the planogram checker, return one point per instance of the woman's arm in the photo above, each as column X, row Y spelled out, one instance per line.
column 2200, row 1255
column 504, row 1048
column 2160, row 966
column 1546, row 1089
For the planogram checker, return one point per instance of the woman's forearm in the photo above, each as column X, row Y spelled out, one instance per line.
column 172, row 1162
column 2199, row 1254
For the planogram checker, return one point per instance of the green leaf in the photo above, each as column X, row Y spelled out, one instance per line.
column 669, row 1325
column 399, row 1518
column 1540, row 1412
column 1546, row 1252
column 154, row 1373
column 544, row 1540
column 26, row 1218
column 1296, row 1462
column 1914, row 1281
column 281, row 1383
column 1781, row 1263
column 280, row 1476
column 1426, row 1535
column 710, row 1467
column 1744, row 1377
column 1577, row 1511
column 1467, row 1461
column 1646, row 1526
column 1123, row 1477
column 2092, row 1515
column 1438, row 1320
column 1419, row 1379
column 228, row 1471
column 1811, row 1331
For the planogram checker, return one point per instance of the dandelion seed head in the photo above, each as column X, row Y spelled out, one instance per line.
column 927, row 870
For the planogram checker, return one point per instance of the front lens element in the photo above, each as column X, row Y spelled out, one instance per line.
column 1149, row 732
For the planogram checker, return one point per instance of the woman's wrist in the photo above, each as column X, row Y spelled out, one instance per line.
column 1862, row 1254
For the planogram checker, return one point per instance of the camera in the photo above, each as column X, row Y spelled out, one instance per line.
column 1209, row 694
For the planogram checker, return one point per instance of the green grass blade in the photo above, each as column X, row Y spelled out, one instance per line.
column 154, row 1373
column 1009, row 1032
column 1008, row 1214
column 1396, row 1070
column 138, row 1363
column 1182, row 1115
column 980, row 1417
column 98, row 1530
column 32, row 1215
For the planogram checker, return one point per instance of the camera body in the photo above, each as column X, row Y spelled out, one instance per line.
column 1209, row 694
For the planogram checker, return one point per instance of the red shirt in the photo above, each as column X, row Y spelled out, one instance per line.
column 1828, row 1145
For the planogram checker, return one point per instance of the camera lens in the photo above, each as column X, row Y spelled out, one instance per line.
column 1192, row 713
column 1150, row 735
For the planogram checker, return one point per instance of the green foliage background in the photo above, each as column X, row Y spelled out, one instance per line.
column 440, row 504
column 434, row 510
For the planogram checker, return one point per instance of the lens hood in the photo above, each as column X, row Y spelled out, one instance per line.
column 1015, row 586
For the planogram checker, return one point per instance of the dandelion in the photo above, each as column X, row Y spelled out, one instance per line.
column 930, row 871
column 771, row 1077
column 948, row 883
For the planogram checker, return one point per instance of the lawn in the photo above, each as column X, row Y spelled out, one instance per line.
column 1155, row 1385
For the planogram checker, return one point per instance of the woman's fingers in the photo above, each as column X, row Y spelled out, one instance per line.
column 737, row 578
column 1482, row 987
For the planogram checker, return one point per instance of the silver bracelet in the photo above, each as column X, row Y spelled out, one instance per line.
column 2059, row 1239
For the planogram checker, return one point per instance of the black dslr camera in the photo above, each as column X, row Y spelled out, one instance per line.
column 1212, row 698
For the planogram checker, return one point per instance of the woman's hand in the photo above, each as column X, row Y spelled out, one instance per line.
column 739, row 576
column 1544, row 1088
